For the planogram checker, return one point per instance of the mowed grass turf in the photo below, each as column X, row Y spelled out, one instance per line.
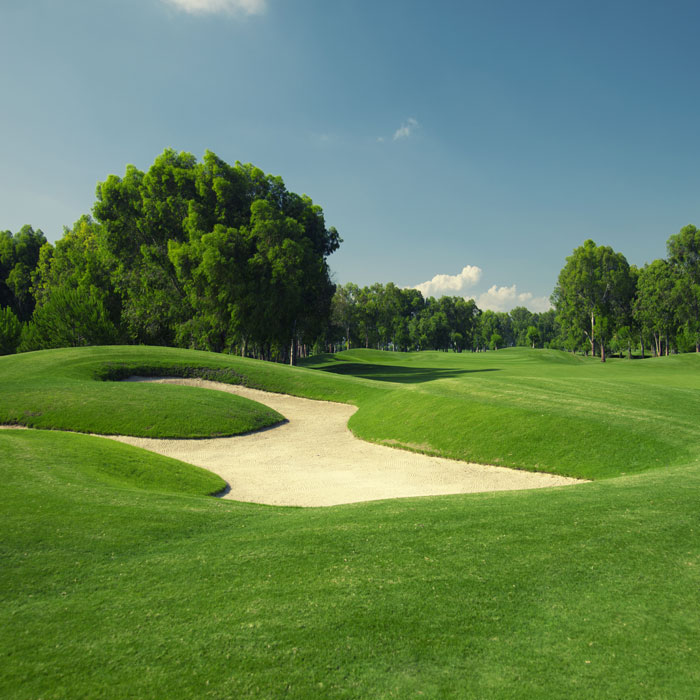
column 542, row 410
column 120, row 583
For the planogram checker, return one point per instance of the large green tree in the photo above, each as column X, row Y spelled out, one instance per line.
column 215, row 256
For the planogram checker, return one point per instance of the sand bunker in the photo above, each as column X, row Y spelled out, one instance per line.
column 314, row 460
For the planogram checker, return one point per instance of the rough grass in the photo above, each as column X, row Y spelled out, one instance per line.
column 121, row 579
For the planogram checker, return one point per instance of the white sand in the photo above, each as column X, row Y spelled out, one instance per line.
column 314, row 460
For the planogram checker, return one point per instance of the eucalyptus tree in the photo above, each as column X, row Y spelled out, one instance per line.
column 521, row 320
column 684, row 259
column 140, row 213
column 466, row 315
column 594, row 293
column 488, row 326
column 532, row 336
column 655, row 307
column 69, row 318
column 547, row 327
column 344, row 310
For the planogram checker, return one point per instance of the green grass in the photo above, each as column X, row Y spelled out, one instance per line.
column 121, row 579
column 62, row 390
column 542, row 410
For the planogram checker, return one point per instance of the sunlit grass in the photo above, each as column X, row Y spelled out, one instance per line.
column 120, row 578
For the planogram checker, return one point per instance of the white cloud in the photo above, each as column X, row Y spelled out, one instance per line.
column 230, row 7
column 406, row 129
column 451, row 285
column 507, row 298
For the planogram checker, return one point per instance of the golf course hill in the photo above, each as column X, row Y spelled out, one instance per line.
column 123, row 577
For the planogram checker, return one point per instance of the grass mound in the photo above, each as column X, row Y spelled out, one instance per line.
column 542, row 409
column 74, row 390
column 121, row 579
column 537, row 410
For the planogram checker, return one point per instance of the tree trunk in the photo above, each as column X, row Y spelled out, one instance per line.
column 641, row 342
column 592, row 334
column 602, row 350
column 293, row 345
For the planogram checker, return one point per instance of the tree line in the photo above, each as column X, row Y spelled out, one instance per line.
column 201, row 255
column 601, row 304
column 387, row 317
column 602, row 301
column 209, row 256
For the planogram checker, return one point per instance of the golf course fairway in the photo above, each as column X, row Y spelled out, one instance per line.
column 122, row 577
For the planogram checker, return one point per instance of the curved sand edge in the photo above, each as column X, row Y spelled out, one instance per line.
column 314, row 459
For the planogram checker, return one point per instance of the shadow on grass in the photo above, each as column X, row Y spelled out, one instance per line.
column 393, row 373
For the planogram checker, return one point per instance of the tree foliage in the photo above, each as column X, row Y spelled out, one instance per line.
column 684, row 259
column 389, row 317
column 69, row 318
column 223, row 257
column 594, row 294
column 19, row 255
column 10, row 331
column 213, row 256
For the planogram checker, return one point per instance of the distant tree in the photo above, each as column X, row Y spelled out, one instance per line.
column 521, row 320
column 19, row 255
column 466, row 315
column 437, row 330
column 532, row 336
column 548, row 328
column 496, row 341
column 655, row 306
column 344, row 310
column 488, row 326
column 684, row 259
column 593, row 293
column 10, row 331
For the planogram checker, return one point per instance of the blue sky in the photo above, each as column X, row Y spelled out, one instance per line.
column 467, row 147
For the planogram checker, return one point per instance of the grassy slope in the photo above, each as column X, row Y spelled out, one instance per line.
column 112, row 590
column 59, row 389
column 581, row 592
column 532, row 410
